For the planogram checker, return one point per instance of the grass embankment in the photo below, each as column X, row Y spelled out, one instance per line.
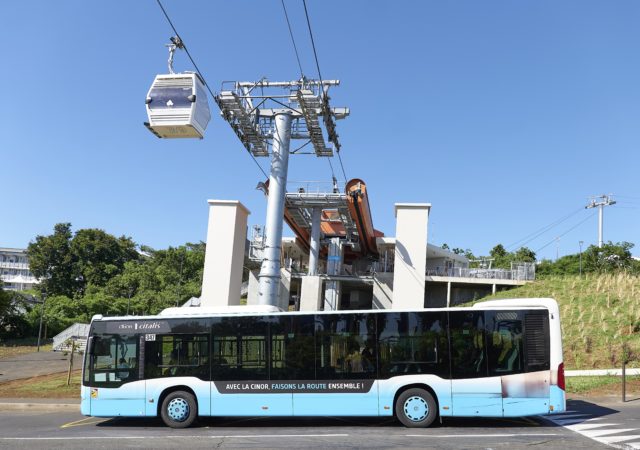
column 17, row 347
column 44, row 386
column 600, row 317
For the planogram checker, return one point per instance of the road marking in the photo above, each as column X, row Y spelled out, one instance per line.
column 612, row 439
column 590, row 426
column 85, row 421
column 479, row 435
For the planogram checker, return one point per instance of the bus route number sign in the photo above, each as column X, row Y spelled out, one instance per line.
column 149, row 337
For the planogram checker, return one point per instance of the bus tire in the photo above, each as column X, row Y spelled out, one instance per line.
column 179, row 409
column 416, row 408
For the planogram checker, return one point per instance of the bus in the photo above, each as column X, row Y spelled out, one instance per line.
column 500, row 358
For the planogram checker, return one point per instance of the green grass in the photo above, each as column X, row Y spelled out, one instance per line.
column 601, row 385
column 11, row 348
column 45, row 386
column 600, row 317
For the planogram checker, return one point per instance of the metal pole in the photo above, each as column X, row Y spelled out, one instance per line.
column 44, row 299
column 269, row 276
column 581, row 242
column 600, row 214
column 314, row 252
column 624, row 377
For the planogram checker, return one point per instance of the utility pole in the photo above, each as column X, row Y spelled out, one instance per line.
column 600, row 202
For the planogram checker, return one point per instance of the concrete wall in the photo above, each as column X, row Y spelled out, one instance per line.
column 311, row 293
column 224, row 257
column 410, row 255
column 382, row 291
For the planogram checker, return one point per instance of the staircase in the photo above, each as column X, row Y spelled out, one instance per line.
column 77, row 332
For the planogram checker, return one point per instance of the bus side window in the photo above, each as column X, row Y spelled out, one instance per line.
column 468, row 350
column 505, row 351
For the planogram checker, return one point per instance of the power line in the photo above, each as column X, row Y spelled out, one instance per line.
column 293, row 41
column 570, row 229
column 199, row 72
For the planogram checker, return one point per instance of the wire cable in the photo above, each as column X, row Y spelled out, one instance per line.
column 570, row 229
column 315, row 55
column 199, row 72
column 540, row 231
column 313, row 44
column 293, row 41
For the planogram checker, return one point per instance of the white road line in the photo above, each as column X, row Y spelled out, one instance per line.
column 597, row 433
column 590, row 426
column 612, row 439
column 633, row 445
column 479, row 435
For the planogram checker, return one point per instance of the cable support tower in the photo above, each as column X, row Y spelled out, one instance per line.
column 600, row 202
column 266, row 116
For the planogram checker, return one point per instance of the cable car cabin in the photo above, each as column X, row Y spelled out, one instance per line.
column 177, row 106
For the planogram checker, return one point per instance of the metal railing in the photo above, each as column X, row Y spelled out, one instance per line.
column 77, row 332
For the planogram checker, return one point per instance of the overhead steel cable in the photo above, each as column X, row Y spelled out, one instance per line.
column 567, row 231
column 293, row 41
column 315, row 55
column 199, row 72
column 540, row 231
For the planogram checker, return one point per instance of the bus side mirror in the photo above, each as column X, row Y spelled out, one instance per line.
column 90, row 346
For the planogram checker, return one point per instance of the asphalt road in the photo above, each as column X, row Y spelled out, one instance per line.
column 32, row 429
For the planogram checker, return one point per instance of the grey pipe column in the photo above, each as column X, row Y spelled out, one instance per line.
column 314, row 252
column 269, row 277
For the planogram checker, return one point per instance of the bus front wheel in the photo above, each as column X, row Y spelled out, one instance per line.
column 179, row 409
column 416, row 408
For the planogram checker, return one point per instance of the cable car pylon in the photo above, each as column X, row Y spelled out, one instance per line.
column 265, row 122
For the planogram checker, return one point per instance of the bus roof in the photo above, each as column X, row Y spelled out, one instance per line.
column 249, row 310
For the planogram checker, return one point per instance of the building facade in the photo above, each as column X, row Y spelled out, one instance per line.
column 14, row 269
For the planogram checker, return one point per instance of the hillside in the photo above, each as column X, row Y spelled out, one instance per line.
column 600, row 317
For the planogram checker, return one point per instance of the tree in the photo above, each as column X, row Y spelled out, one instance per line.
column 51, row 261
column 13, row 323
column 68, row 264
column 100, row 256
column 610, row 258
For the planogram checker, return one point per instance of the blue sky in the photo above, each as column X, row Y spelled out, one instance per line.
column 506, row 116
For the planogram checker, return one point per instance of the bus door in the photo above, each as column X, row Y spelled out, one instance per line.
column 473, row 391
column 241, row 368
column 117, row 387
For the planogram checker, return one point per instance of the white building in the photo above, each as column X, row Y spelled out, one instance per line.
column 14, row 269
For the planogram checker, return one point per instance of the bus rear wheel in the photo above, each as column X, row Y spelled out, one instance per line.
column 416, row 408
column 179, row 409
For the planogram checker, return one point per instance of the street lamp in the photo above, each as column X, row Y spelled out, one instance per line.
column 580, row 243
column 44, row 299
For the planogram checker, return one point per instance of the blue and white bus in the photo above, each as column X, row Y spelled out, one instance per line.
column 499, row 358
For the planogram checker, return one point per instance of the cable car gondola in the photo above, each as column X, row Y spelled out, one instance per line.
column 177, row 106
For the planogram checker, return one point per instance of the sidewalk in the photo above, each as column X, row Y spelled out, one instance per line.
column 40, row 404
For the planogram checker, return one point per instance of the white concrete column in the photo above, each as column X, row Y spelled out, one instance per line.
column 253, row 288
column 314, row 252
column 333, row 289
column 448, row 294
column 224, row 257
column 410, row 255
column 311, row 293
column 285, row 289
